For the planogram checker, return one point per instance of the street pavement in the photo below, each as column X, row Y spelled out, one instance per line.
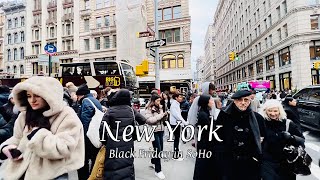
column 172, row 169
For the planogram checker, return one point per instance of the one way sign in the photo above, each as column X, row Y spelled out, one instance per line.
column 156, row 43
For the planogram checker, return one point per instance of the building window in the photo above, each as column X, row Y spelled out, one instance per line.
column 278, row 12
column 22, row 36
column 21, row 69
column 315, row 76
column 22, row 21
column 313, row 2
column 15, row 69
column 266, row 42
column 272, row 80
column 176, row 12
column 69, row 45
column 51, row 32
column 265, row 24
column 168, row 61
column 270, row 20
column 250, row 69
column 106, row 42
column 114, row 41
column 98, row 22
column 284, row 56
column 86, row 4
column 244, row 72
column 167, row 14
column 171, row 35
column 15, row 54
column 9, row 38
column 9, row 24
column 36, row 34
column 68, row 29
column 285, row 81
column 99, row 4
column 21, row 53
column 9, row 54
column 284, row 5
column 97, row 41
column 15, row 22
column 270, row 62
column 314, row 48
column 15, row 40
column 279, row 34
column 314, row 20
column 106, row 3
column 285, row 30
column 259, row 66
column 86, row 25
column 180, row 61
column 107, row 21
column 270, row 40
column 160, row 17
column 8, row 69
column 86, row 45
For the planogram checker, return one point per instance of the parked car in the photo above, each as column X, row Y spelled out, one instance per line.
column 309, row 106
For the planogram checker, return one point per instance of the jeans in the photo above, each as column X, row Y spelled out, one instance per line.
column 157, row 146
column 176, row 134
column 62, row 177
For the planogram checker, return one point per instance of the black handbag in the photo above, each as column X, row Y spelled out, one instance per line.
column 298, row 159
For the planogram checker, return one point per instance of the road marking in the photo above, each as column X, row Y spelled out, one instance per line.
column 313, row 147
column 315, row 170
column 306, row 133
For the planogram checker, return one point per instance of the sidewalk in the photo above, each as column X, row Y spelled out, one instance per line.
column 172, row 169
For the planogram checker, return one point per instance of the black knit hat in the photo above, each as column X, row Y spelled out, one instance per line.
column 240, row 94
column 83, row 90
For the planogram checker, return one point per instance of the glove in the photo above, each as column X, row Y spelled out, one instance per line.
column 286, row 135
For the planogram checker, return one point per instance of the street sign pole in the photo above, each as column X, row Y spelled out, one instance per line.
column 157, row 63
column 50, row 65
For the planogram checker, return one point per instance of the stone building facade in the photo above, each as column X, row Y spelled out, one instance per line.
column 276, row 40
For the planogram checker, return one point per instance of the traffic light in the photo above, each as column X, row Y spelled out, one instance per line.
column 231, row 56
column 316, row 65
column 143, row 68
column 237, row 57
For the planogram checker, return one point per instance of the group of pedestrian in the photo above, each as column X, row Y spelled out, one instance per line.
column 43, row 130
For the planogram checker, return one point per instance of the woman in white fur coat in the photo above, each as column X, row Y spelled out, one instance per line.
column 47, row 132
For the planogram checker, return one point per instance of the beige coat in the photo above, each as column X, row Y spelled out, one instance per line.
column 48, row 154
column 154, row 118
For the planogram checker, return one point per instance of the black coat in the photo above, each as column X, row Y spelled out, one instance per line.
column 119, row 168
column 6, row 128
column 238, row 156
column 7, row 111
column 274, row 165
column 203, row 167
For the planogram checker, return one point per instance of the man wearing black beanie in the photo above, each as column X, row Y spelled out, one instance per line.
column 85, row 114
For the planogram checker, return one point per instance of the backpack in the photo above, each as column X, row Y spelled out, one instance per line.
column 93, row 132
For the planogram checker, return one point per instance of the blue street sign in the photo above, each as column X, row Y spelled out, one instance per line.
column 50, row 49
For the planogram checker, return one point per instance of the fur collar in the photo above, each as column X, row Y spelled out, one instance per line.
column 48, row 88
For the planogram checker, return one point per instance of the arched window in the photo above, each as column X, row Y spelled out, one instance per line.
column 180, row 61
column 168, row 61
column 15, row 69
column 21, row 69
column 8, row 69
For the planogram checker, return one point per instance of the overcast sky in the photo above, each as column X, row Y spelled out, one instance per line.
column 202, row 13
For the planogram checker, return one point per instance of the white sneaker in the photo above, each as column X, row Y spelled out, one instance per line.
column 160, row 175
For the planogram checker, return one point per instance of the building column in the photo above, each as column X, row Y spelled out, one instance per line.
column 301, row 65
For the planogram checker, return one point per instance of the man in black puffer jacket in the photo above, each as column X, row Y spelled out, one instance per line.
column 120, row 110
column 4, row 94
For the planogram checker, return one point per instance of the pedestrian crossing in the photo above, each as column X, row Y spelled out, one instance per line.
column 313, row 148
